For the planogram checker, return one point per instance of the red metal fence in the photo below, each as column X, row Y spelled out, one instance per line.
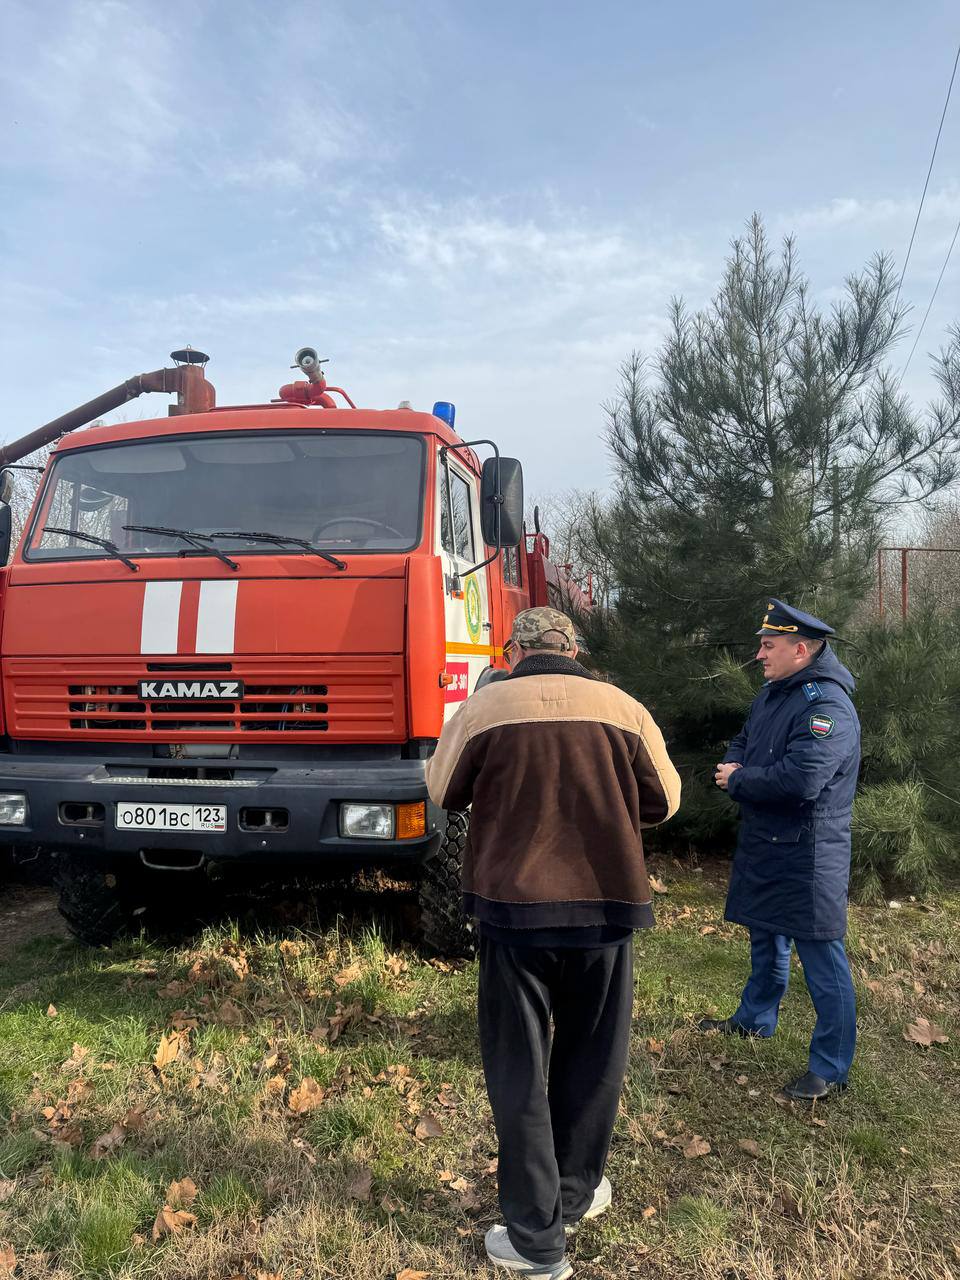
column 944, row 591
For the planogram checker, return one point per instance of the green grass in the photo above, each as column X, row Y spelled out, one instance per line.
column 866, row 1186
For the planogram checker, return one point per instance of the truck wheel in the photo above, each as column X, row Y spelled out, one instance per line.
column 92, row 902
column 443, row 926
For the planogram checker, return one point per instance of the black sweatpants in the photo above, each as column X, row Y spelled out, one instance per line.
column 554, row 1099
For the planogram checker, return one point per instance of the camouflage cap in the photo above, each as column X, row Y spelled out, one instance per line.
column 544, row 628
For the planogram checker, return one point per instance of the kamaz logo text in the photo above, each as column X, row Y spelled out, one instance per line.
column 192, row 690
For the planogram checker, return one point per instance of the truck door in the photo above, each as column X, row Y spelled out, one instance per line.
column 469, row 646
column 514, row 589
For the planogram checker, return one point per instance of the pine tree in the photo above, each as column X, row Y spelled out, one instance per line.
column 907, row 813
column 762, row 453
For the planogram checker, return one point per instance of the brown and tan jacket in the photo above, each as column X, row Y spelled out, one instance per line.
column 563, row 772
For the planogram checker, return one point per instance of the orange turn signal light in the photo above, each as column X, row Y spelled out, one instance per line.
column 411, row 820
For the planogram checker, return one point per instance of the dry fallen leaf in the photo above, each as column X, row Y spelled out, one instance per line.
column 7, row 1188
column 168, row 1050
column 649, row 1212
column 71, row 1134
column 741, row 1079
column 360, row 1184
column 108, row 1142
column 8, row 1259
column 749, row 1146
column 427, row 1126
column 229, row 1014
column 307, row 1096
column 51, row 1010
column 658, row 886
column 181, row 1194
column 790, row 1204
column 290, row 948
column 77, row 1090
column 925, row 1033
column 133, row 1120
column 57, row 1116
column 170, row 1222
column 174, row 990
column 183, row 1020
column 695, row 1146
column 408, row 1274
column 76, row 1059
column 350, row 974
column 654, row 1046
column 305, row 1149
column 707, row 928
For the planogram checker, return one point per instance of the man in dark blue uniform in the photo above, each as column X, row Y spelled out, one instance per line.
column 793, row 770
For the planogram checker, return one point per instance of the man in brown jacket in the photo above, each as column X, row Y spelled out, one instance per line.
column 562, row 771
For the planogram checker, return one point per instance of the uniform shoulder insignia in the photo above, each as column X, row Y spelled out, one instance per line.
column 821, row 726
column 812, row 691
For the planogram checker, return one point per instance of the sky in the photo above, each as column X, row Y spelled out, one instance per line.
column 486, row 203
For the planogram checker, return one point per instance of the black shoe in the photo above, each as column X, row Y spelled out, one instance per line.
column 812, row 1088
column 727, row 1026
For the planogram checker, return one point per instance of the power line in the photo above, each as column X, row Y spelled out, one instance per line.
column 923, row 194
column 930, row 304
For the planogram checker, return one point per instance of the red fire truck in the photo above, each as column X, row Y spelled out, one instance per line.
column 230, row 638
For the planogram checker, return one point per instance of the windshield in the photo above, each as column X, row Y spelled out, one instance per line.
column 346, row 492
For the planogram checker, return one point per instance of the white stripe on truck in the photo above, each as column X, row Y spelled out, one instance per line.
column 161, row 617
column 217, row 617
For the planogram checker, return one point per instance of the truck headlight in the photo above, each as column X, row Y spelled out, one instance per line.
column 13, row 809
column 367, row 821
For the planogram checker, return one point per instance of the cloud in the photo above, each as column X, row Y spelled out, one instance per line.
column 98, row 88
column 444, row 240
column 521, row 315
column 848, row 211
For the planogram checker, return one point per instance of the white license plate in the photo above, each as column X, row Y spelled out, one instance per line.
column 171, row 817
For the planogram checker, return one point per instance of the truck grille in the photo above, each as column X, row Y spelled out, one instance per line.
column 354, row 699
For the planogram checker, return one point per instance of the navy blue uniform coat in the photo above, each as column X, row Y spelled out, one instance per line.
column 800, row 756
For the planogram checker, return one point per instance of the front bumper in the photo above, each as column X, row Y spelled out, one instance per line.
column 60, row 789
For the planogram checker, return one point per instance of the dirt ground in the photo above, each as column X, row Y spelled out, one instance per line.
column 27, row 911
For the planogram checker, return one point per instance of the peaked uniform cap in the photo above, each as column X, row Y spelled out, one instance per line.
column 783, row 620
column 544, row 628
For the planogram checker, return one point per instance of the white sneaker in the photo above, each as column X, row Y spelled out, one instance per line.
column 502, row 1254
column 602, row 1199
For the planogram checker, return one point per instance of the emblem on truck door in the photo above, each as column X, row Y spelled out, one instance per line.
column 473, row 609
column 192, row 690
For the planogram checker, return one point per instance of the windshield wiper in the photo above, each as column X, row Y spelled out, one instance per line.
column 280, row 540
column 198, row 540
column 98, row 542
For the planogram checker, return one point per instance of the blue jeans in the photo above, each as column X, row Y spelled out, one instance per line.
column 827, row 975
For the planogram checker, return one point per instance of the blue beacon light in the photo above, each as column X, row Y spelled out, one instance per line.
column 445, row 411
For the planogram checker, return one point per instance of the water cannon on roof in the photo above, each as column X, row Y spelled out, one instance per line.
column 315, row 390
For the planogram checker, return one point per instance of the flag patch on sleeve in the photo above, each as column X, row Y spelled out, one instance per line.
column 821, row 726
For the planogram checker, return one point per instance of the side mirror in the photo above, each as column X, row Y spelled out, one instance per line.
column 6, row 532
column 6, row 485
column 501, row 510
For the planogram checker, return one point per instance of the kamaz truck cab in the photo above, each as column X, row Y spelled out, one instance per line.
column 230, row 638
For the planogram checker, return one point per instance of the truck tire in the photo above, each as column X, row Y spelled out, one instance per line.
column 443, row 926
column 92, row 902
